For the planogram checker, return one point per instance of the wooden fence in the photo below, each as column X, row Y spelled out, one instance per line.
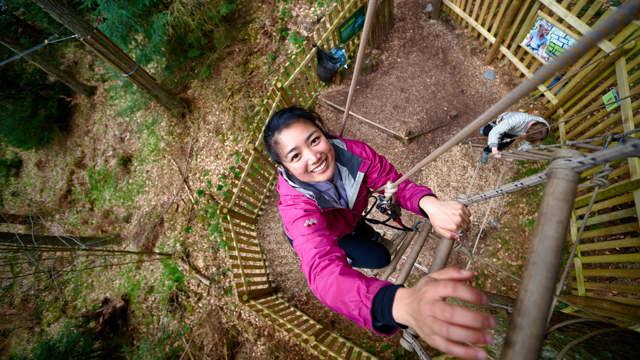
column 253, row 182
column 606, row 276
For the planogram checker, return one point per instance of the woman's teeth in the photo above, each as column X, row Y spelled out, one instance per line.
column 320, row 167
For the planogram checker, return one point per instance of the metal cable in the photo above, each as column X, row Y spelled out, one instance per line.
column 36, row 48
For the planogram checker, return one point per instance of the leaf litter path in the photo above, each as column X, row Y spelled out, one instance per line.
column 426, row 76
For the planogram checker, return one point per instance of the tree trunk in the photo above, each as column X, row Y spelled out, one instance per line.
column 111, row 53
column 15, row 218
column 64, row 76
column 63, row 241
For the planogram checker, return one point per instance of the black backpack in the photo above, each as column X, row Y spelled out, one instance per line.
column 328, row 65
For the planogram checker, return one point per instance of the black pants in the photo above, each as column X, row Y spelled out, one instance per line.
column 363, row 248
column 503, row 142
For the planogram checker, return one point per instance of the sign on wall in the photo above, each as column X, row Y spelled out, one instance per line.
column 547, row 40
column 350, row 27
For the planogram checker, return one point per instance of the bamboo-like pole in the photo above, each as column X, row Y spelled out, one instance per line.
column 528, row 324
column 620, row 18
column 418, row 244
column 368, row 20
column 112, row 54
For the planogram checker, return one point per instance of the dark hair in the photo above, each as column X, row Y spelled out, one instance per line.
column 285, row 118
column 536, row 132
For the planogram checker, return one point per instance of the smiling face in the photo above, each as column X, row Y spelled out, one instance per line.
column 306, row 152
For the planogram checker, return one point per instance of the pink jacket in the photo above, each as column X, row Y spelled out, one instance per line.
column 315, row 227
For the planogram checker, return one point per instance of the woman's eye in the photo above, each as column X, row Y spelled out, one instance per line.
column 295, row 157
column 315, row 140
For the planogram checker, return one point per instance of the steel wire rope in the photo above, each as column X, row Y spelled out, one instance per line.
column 484, row 222
column 600, row 180
column 573, row 343
column 83, row 269
column 36, row 48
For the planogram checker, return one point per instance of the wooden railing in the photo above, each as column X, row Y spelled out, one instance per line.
column 604, row 266
column 606, row 262
column 254, row 179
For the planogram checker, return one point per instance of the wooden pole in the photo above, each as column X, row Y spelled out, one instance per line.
column 505, row 24
column 528, row 324
column 39, row 61
column 111, row 53
column 435, row 12
column 368, row 20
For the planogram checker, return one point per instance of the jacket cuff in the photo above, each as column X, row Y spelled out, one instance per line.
column 381, row 310
column 493, row 145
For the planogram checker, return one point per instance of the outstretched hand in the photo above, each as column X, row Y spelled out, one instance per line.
column 450, row 328
column 447, row 217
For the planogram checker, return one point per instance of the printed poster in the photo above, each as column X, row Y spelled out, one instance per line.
column 546, row 40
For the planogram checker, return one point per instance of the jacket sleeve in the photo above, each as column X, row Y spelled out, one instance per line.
column 380, row 171
column 496, row 133
column 324, row 264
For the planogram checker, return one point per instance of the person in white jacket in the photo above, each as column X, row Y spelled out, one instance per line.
column 509, row 126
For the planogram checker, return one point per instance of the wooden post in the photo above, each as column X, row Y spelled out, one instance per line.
column 626, row 111
column 527, row 328
column 18, row 28
column 505, row 24
column 435, row 8
column 111, row 53
column 63, row 241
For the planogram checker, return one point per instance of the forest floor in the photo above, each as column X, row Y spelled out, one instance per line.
column 141, row 174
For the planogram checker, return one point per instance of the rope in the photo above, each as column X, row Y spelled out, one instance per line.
column 620, row 18
column 484, row 223
column 599, row 180
column 36, row 48
column 566, row 349
column 630, row 148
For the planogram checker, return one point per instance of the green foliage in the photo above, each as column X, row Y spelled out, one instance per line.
column 33, row 109
column 161, row 345
column 10, row 165
column 68, row 343
column 296, row 39
column 174, row 277
column 42, row 23
column 168, row 35
column 104, row 189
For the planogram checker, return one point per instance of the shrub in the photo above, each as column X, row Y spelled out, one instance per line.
column 10, row 166
column 33, row 109
column 167, row 35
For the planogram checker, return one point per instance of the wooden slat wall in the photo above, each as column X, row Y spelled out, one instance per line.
column 607, row 261
column 255, row 178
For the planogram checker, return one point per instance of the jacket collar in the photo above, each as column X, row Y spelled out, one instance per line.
column 347, row 164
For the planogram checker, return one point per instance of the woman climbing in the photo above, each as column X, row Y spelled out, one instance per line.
column 324, row 183
column 509, row 126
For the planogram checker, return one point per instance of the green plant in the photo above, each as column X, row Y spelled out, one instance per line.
column 296, row 39
column 168, row 35
column 34, row 110
column 68, row 343
column 10, row 166
column 104, row 189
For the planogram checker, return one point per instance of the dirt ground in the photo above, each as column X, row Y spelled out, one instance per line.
column 426, row 77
